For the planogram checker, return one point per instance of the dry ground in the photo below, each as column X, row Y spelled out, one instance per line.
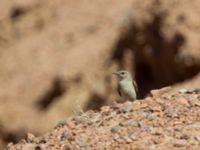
column 161, row 121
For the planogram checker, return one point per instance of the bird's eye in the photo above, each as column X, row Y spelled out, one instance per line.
column 122, row 73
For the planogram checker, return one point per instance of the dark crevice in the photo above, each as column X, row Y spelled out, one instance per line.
column 55, row 91
column 155, row 58
column 144, row 78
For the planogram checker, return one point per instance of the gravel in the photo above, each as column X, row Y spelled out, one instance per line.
column 161, row 121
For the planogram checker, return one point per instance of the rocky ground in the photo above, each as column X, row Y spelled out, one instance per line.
column 57, row 57
column 161, row 121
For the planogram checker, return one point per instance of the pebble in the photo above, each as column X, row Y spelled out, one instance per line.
column 115, row 128
column 133, row 137
column 154, row 123
column 183, row 101
column 127, row 108
column 197, row 90
column 128, row 139
column 105, row 108
column 183, row 91
column 197, row 138
column 82, row 142
column 30, row 137
column 186, row 91
column 71, row 124
column 179, row 143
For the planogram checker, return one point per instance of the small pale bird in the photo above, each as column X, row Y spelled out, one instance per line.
column 127, row 87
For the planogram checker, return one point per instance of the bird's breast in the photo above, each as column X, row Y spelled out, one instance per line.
column 127, row 87
column 126, row 84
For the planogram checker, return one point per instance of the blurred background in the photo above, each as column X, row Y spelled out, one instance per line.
column 57, row 57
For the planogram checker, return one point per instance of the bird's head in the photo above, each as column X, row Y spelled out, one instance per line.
column 123, row 74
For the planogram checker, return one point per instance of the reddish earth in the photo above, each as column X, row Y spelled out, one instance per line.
column 161, row 121
column 56, row 57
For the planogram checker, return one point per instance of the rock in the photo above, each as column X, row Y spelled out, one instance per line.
column 71, row 124
column 183, row 101
column 67, row 135
column 179, row 143
column 30, row 137
column 128, row 139
column 183, row 91
column 127, row 108
column 160, row 91
column 82, row 142
column 133, row 137
column 197, row 138
column 46, row 49
column 105, row 108
column 197, row 90
column 174, row 127
column 115, row 128
column 30, row 147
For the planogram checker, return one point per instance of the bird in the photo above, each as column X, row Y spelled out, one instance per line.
column 127, row 86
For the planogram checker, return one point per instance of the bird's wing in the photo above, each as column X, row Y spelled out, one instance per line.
column 118, row 89
column 135, row 86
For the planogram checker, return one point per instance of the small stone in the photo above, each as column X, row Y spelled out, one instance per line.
column 127, row 108
column 128, row 139
column 186, row 91
column 195, row 126
column 64, row 136
column 12, row 148
column 115, row 128
column 140, row 124
column 197, row 90
column 71, row 124
column 183, row 102
column 182, row 91
column 105, row 108
column 155, row 131
column 185, row 136
column 153, row 147
column 139, row 105
column 67, row 136
column 133, row 137
column 66, row 147
column 42, row 141
column 126, row 116
column 29, row 147
column 179, row 143
column 64, row 121
column 82, row 142
column 113, row 114
column 116, row 137
column 10, row 144
column 197, row 138
column 131, row 123
column 154, row 92
column 30, row 137
column 23, row 141
column 197, row 103
column 151, row 117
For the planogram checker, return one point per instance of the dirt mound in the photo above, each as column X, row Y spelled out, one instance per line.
column 161, row 121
